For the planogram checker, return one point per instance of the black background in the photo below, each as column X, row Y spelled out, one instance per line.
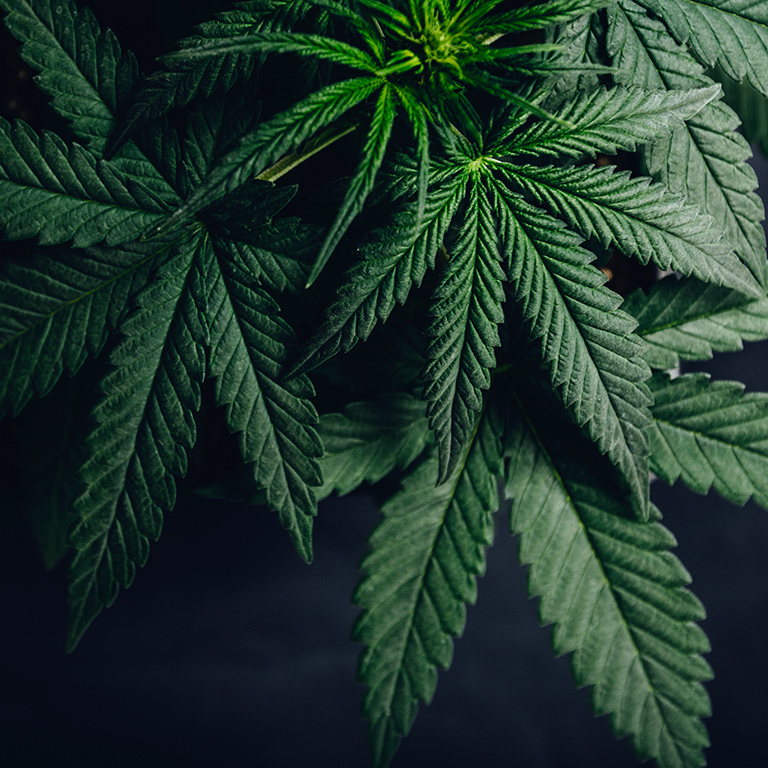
column 228, row 650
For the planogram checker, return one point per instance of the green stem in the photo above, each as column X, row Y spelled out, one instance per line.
column 290, row 161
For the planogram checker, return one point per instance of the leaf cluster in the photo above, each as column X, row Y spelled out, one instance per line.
column 381, row 234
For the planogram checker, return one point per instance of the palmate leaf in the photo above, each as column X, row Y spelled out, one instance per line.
column 390, row 263
column 144, row 426
column 685, row 319
column 249, row 344
column 57, row 193
column 586, row 342
column 641, row 218
column 465, row 310
column 56, row 308
column 369, row 440
column 421, row 571
column 610, row 586
column 605, row 121
column 706, row 159
column 732, row 34
column 710, row 434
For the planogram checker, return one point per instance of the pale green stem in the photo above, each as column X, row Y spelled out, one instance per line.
column 290, row 161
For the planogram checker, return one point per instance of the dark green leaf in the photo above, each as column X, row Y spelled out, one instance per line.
column 465, row 311
column 612, row 589
column 56, row 308
column 689, row 320
column 369, row 440
column 425, row 555
column 249, row 344
column 585, row 341
column 711, row 434
column 144, row 425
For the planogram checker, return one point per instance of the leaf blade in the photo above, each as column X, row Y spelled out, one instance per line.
column 614, row 592
column 143, row 426
column 689, row 320
column 275, row 419
column 711, row 434
column 411, row 611
column 641, row 218
column 605, row 121
column 363, row 179
column 585, row 342
column 465, row 312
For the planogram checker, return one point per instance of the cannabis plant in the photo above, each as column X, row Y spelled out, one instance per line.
column 395, row 236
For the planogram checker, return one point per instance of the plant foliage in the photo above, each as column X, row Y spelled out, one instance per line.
column 384, row 231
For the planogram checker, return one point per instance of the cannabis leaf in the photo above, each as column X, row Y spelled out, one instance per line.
column 606, row 121
column 585, row 341
column 710, row 434
column 612, row 589
column 249, row 345
column 689, row 320
column 706, row 159
column 57, row 308
column 735, row 35
column 369, row 440
column 639, row 217
column 145, row 424
column 465, row 311
column 421, row 571
column 201, row 295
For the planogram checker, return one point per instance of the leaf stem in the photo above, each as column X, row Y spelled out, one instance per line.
column 290, row 161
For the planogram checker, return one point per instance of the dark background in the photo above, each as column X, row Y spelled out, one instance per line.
column 228, row 650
